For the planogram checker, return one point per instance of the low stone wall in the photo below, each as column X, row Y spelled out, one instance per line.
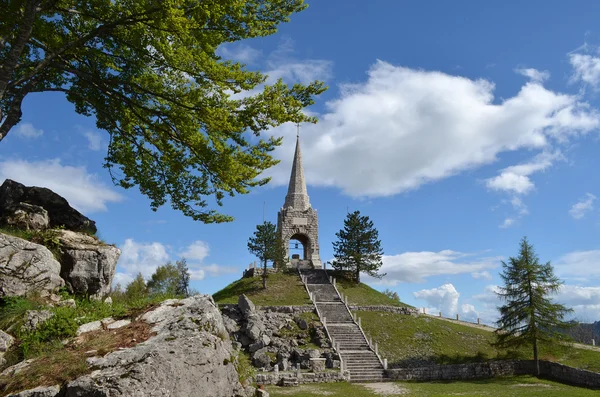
column 384, row 308
column 273, row 309
column 292, row 378
column 258, row 271
column 548, row 369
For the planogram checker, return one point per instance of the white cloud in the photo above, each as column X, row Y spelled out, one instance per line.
column 534, row 74
column 82, row 190
column 579, row 265
column 585, row 301
column 508, row 222
column 198, row 250
column 444, row 299
column 515, row 179
column 413, row 267
column 94, row 140
column 586, row 68
column 241, row 53
column 27, row 130
column 142, row 257
column 146, row 257
column 121, row 279
column 482, row 275
column 586, row 204
column 411, row 127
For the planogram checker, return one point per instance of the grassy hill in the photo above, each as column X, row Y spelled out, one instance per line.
column 287, row 289
column 409, row 340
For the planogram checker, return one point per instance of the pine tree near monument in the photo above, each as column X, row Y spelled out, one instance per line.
column 150, row 74
column 358, row 248
column 529, row 316
column 266, row 246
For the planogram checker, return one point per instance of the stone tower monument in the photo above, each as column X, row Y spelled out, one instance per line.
column 297, row 220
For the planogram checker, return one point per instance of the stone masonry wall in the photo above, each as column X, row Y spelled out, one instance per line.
column 274, row 309
column 383, row 308
column 555, row 371
column 293, row 377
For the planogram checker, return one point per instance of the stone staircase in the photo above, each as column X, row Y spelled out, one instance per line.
column 358, row 358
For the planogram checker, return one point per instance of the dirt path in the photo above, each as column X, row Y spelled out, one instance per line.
column 385, row 389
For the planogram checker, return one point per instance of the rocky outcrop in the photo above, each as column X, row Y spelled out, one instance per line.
column 6, row 341
column 27, row 267
column 190, row 354
column 59, row 212
column 26, row 217
column 88, row 265
column 42, row 391
column 277, row 339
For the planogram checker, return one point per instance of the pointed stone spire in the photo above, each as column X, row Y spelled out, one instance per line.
column 297, row 196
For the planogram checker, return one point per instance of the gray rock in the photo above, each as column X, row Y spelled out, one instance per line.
column 302, row 324
column 245, row 304
column 35, row 318
column 6, row 341
column 89, row 327
column 108, row 301
column 68, row 303
column 15, row 369
column 42, row 391
column 60, row 213
column 265, row 340
column 119, row 324
column 254, row 327
column 260, row 359
column 25, row 216
column 88, row 265
column 26, row 267
column 256, row 346
column 189, row 354
column 314, row 353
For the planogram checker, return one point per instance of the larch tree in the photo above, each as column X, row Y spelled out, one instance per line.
column 149, row 72
column 358, row 248
column 528, row 315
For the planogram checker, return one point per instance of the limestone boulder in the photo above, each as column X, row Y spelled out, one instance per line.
column 35, row 318
column 25, row 216
column 60, row 213
column 42, row 391
column 26, row 267
column 190, row 354
column 88, row 265
column 245, row 305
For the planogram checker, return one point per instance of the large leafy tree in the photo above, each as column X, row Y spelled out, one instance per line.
column 358, row 248
column 149, row 72
column 170, row 279
column 266, row 245
column 529, row 315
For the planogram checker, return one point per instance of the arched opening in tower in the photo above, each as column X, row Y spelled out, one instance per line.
column 299, row 247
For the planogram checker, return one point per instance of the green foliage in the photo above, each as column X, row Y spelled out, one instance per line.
column 164, row 280
column 47, row 335
column 266, row 246
column 393, row 295
column 148, row 71
column 358, row 248
column 243, row 366
column 284, row 289
column 13, row 309
column 529, row 315
column 136, row 290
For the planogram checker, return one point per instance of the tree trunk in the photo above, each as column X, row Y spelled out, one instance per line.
column 265, row 275
column 535, row 357
column 357, row 275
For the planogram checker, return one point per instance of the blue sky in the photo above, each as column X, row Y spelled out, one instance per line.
column 458, row 127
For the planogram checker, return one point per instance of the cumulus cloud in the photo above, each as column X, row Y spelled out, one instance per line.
column 198, row 250
column 583, row 206
column 585, row 302
column 144, row 257
column 534, row 74
column 94, row 140
column 82, row 190
column 586, row 69
column 414, row 267
column 27, row 130
column 444, row 298
column 410, row 127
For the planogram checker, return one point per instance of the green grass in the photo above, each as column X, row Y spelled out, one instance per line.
column 516, row 386
column 363, row 295
column 282, row 289
column 419, row 340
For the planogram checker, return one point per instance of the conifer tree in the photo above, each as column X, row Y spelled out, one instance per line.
column 529, row 316
column 263, row 244
column 358, row 248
